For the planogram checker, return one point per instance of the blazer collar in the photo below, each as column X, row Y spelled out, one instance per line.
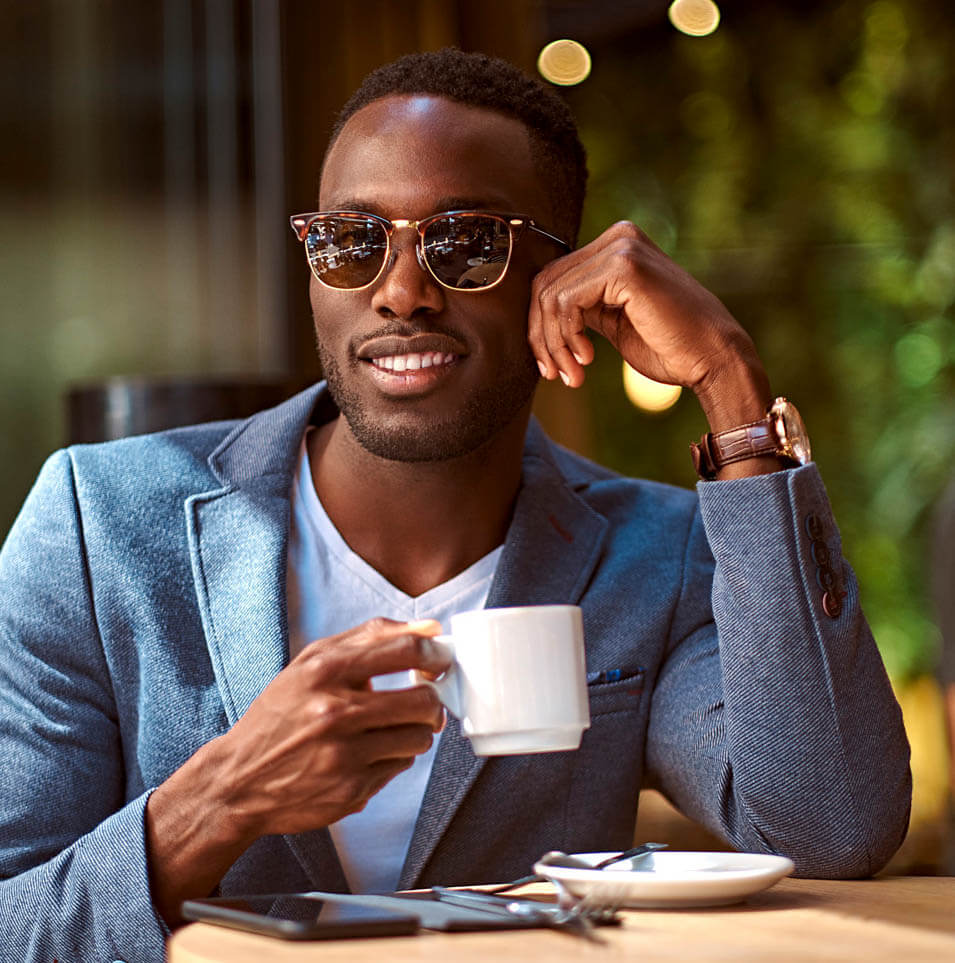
column 267, row 443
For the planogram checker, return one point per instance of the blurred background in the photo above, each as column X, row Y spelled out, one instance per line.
column 798, row 157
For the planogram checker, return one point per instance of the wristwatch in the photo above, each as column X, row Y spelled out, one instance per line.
column 780, row 433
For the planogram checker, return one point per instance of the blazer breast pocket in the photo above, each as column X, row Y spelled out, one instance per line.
column 615, row 690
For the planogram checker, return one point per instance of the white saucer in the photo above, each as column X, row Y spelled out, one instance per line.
column 671, row 880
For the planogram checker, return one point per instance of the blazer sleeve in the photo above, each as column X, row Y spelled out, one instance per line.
column 773, row 722
column 74, row 882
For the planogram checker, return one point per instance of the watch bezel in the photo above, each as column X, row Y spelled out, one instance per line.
column 790, row 431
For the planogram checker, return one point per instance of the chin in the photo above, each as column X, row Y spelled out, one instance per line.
column 426, row 440
column 413, row 436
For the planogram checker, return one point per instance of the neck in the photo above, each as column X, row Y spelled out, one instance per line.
column 418, row 523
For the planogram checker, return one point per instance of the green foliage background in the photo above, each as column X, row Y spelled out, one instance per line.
column 801, row 164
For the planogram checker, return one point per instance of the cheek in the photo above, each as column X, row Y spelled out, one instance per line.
column 329, row 308
column 317, row 297
column 500, row 320
column 514, row 295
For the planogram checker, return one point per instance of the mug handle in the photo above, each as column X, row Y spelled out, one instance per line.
column 446, row 685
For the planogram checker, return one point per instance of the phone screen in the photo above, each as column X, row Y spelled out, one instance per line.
column 299, row 918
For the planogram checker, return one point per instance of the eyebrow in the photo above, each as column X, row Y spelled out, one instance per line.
column 454, row 203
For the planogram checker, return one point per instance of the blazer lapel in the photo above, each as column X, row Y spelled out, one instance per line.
column 317, row 855
column 552, row 546
column 238, row 538
column 238, row 542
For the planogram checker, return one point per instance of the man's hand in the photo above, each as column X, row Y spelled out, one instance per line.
column 312, row 748
column 662, row 321
column 319, row 742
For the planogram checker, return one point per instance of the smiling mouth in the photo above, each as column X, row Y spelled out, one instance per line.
column 414, row 361
column 411, row 362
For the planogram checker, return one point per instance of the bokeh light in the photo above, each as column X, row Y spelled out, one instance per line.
column 564, row 62
column 647, row 394
column 696, row 18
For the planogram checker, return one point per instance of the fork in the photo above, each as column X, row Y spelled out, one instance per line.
column 577, row 916
column 599, row 906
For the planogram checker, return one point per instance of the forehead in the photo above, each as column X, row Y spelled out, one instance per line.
column 410, row 155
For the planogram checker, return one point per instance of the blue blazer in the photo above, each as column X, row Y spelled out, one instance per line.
column 142, row 609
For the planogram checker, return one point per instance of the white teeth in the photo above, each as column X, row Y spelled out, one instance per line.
column 412, row 362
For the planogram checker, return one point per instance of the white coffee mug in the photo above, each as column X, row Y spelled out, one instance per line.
column 518, row 678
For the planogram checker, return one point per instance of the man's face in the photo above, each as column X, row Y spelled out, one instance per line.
column 468, row 370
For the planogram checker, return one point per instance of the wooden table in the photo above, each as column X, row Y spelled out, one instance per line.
column 905, row 918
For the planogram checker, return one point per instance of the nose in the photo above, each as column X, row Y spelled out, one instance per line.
column 406, row 289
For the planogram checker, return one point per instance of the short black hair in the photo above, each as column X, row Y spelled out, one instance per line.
column 478, row 80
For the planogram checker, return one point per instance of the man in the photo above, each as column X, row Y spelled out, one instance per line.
column 187, row 632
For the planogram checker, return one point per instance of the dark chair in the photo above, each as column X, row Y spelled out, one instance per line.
column 124, row 406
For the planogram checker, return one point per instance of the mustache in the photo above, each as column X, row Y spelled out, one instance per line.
column 403, row 329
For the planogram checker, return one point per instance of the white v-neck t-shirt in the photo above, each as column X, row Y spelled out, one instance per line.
column 331, row 589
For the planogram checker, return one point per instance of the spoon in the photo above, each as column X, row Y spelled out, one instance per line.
column 556, row 858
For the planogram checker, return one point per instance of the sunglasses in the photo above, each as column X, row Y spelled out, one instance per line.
column 461, row 250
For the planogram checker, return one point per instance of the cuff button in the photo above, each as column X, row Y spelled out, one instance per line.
column 813, row 527
column 831, row 604
column 820, row 552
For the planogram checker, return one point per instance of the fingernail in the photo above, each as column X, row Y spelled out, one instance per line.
column 423, row 625
column 577, row 358
column 543, row 368
column 565, row 379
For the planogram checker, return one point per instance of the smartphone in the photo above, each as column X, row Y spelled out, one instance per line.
column 299, row 917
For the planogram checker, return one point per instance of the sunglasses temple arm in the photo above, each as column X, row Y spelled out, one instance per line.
column 552, row 237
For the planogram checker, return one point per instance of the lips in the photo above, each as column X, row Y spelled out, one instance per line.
column 393, row 345
column 410, row 364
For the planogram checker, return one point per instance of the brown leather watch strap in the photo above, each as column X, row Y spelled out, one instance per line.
column 737, row 444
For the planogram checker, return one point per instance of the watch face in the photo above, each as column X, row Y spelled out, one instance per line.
column 790, row 430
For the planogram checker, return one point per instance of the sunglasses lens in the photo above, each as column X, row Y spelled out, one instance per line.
column 346, row 252
column 467, row 250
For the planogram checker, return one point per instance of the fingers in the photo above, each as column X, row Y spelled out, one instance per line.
column 377, row 647
column 386, row 753
column 396, row 743
column 417, row 705
column 660, row 319
column 319, row 741
column 571, row 294
column 558, row 341
column 379, row 774
column 555, row 329
column 329, row 680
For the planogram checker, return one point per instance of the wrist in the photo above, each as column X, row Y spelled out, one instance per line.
column 736, row 394
column 219, row 789
column 192, row 835
column 777, row 440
